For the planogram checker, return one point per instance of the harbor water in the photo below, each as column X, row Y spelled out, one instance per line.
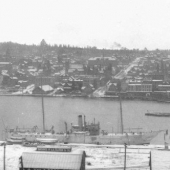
column 26, row 112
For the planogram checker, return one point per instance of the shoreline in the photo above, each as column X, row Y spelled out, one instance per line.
column 89, row 97
column 113, row 146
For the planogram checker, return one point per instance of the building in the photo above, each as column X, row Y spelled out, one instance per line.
column 139, row 88
column 111, row 89
column 39, row 81
column 102, row 61
column 5, row 66
column 76, row 83
column 52, row 160
column 75, row 69
column 45, row 89
column 87, row 89
column 1, row 79
column 154, row 83
column 163, row 87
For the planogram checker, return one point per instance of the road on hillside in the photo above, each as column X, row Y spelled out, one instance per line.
column 100, row 92
column 124, row 72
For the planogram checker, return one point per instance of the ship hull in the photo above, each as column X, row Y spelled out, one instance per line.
column 116, row 139
column 158, row 114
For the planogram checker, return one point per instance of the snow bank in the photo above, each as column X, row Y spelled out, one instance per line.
column 13, row 152
column 96, row 157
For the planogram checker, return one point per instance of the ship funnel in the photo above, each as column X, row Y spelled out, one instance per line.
column 84, row 123
column 80, row 122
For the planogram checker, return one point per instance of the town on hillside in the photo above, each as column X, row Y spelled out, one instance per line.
column 63, row 70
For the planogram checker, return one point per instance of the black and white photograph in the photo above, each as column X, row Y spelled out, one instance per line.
column 84, row 84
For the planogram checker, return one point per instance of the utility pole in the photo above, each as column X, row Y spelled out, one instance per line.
column 4, row 155
column 125, row 158
column 150, row 161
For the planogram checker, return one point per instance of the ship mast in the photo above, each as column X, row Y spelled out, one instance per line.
column 42, row 51
column 121, row 115
column 120, row 102
column 42, row 97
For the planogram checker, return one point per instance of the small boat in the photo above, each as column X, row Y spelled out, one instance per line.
column 47, row 140
column 17, row 137
column 158, row 114
column 164, row 101
column 32, row 144
column 13, row 141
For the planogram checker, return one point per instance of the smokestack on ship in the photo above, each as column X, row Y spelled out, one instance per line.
column 84, row 123
column 80, row 122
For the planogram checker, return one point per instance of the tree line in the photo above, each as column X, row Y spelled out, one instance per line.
column 19, row 50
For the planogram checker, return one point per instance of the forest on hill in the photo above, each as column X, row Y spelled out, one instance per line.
column 20, row 50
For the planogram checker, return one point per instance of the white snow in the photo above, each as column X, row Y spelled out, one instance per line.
column 46, row 88
column 29, row 89
column 97, row 156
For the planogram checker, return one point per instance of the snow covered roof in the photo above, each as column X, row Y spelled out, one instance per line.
column 5, row 63
column 60, row 88
column 29, row 89
column 46, row 88
column 103, row 58
column 45, row 160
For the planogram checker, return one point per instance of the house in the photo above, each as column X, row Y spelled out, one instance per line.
column 76, row 83
column 13, row 81
column 111, row 89
column 38, row 81
column 104, row 80
column 58, row 90
column 5, row 66
column 29, row 89
column 52, row 160
column 6, row 79
column 45, row 89
column 75, row 69
column 1, row 79
column 87, row 89
column 103, row 61
column 67, row 87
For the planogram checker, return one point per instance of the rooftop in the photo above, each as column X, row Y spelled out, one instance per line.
column 52, row 160
column 103, row 58
column 46, row 88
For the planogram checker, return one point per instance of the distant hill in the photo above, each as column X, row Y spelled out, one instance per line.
column 20, row 50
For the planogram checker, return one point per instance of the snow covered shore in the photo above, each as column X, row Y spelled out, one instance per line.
column 107, row 157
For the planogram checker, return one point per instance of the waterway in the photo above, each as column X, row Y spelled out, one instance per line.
column 26, row 112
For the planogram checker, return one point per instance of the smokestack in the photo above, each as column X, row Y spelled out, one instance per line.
column 84, row 123
column 166, row 136
column 80, row 122
column 66, row 127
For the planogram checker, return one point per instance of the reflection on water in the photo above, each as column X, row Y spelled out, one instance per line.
column 27, row 112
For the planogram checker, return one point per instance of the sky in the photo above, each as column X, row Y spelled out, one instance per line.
column 100, row 23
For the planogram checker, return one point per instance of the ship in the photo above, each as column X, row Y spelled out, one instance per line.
column 90, row 134
column 83, row 133
column 158, row 114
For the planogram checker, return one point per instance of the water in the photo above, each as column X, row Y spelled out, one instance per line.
column 26, row 112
